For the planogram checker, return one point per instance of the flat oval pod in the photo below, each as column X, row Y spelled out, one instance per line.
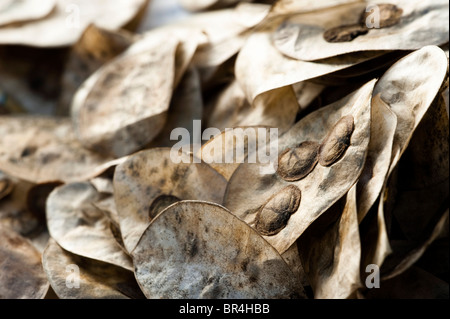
column 123, row 106
column 81, row 228
column 24, row 11
column 426, row 77
column 260, row 73
column 296, row 163
column 273, row 216
column 323, row 186
column 149, row 174
column 44, row 149
column 337, row 141
column 384, row 25
column 67, row 21
column 22, row 276
column 200, row 250
column 76, row 277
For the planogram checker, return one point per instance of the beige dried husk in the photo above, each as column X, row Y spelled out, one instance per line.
column 260, row 73
column 330, row 251
column 67, row 21
column 22, row 276
column 6, row 185
column 23, row 11
column 95, row 47
column 150, row 176
column 81, row 228
column 248, row 189
column 186, row 252
column 303, row 38
column 424, row 70
column 44, row 149
column 97, row 280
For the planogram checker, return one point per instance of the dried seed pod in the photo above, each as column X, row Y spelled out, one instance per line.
column 389, row 15
column 296, row 163
column 337, row 141
column 160, row 203
column 22, row 276
column 6, row 185
column 301, row 36
column 24, row 11
column 75, row 277
column 198, row 250
column 275, row 214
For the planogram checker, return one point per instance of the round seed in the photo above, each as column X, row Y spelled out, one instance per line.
column 389, row 15
column 337, row 141
column 296, row 163
column 274, row 215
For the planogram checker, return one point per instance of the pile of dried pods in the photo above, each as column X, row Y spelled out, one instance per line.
column 353, row 205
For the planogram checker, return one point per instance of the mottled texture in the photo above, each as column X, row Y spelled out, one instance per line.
column 200, row 250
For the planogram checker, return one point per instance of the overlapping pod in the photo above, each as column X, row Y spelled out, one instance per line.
column 186, row 252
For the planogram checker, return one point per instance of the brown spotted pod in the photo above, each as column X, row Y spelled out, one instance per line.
column 337, row 141
column 296, row 163
column 273, row 216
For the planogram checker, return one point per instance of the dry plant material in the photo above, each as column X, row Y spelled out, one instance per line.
column 124, row 105
column 273, row 216
column 6, row 185
column 75, row 277
column 22, row 276
column 22, row 11
column 44, row 149
column 81, row 228
column 323, row 186
column 296, row 163
column 67, row 21
column 185, row 253
column 148, row 175
column 337, row 141
column 388, row 26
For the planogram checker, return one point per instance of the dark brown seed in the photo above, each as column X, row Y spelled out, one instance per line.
column 160, row 203
column 337, row 141
column 345, row 33
column 296, row 163
column 390, row 15
column 274, row 215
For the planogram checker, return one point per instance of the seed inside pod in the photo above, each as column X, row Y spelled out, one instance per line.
column 386, row 14
column 275, row 213
column 296, row 163
column 160, row 203
column 337, row 141
column 344, row 33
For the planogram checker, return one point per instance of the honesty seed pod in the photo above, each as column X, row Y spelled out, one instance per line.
column 275, row 214
column 296, row 163
column 337, row 141
column 389, row 15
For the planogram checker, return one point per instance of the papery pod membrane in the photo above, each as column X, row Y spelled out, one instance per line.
column 76, row 277
column 24, row 11
column 151, row 180
column 303, row 6
column 94, row 48
column 260, row 73
column 65, row 24
column 252, row 184
column 81, row 228
column 43, row 149
column 304, row 39
column 123, row 105
column 186, row 251
column 22, row 276
column 330, row 251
